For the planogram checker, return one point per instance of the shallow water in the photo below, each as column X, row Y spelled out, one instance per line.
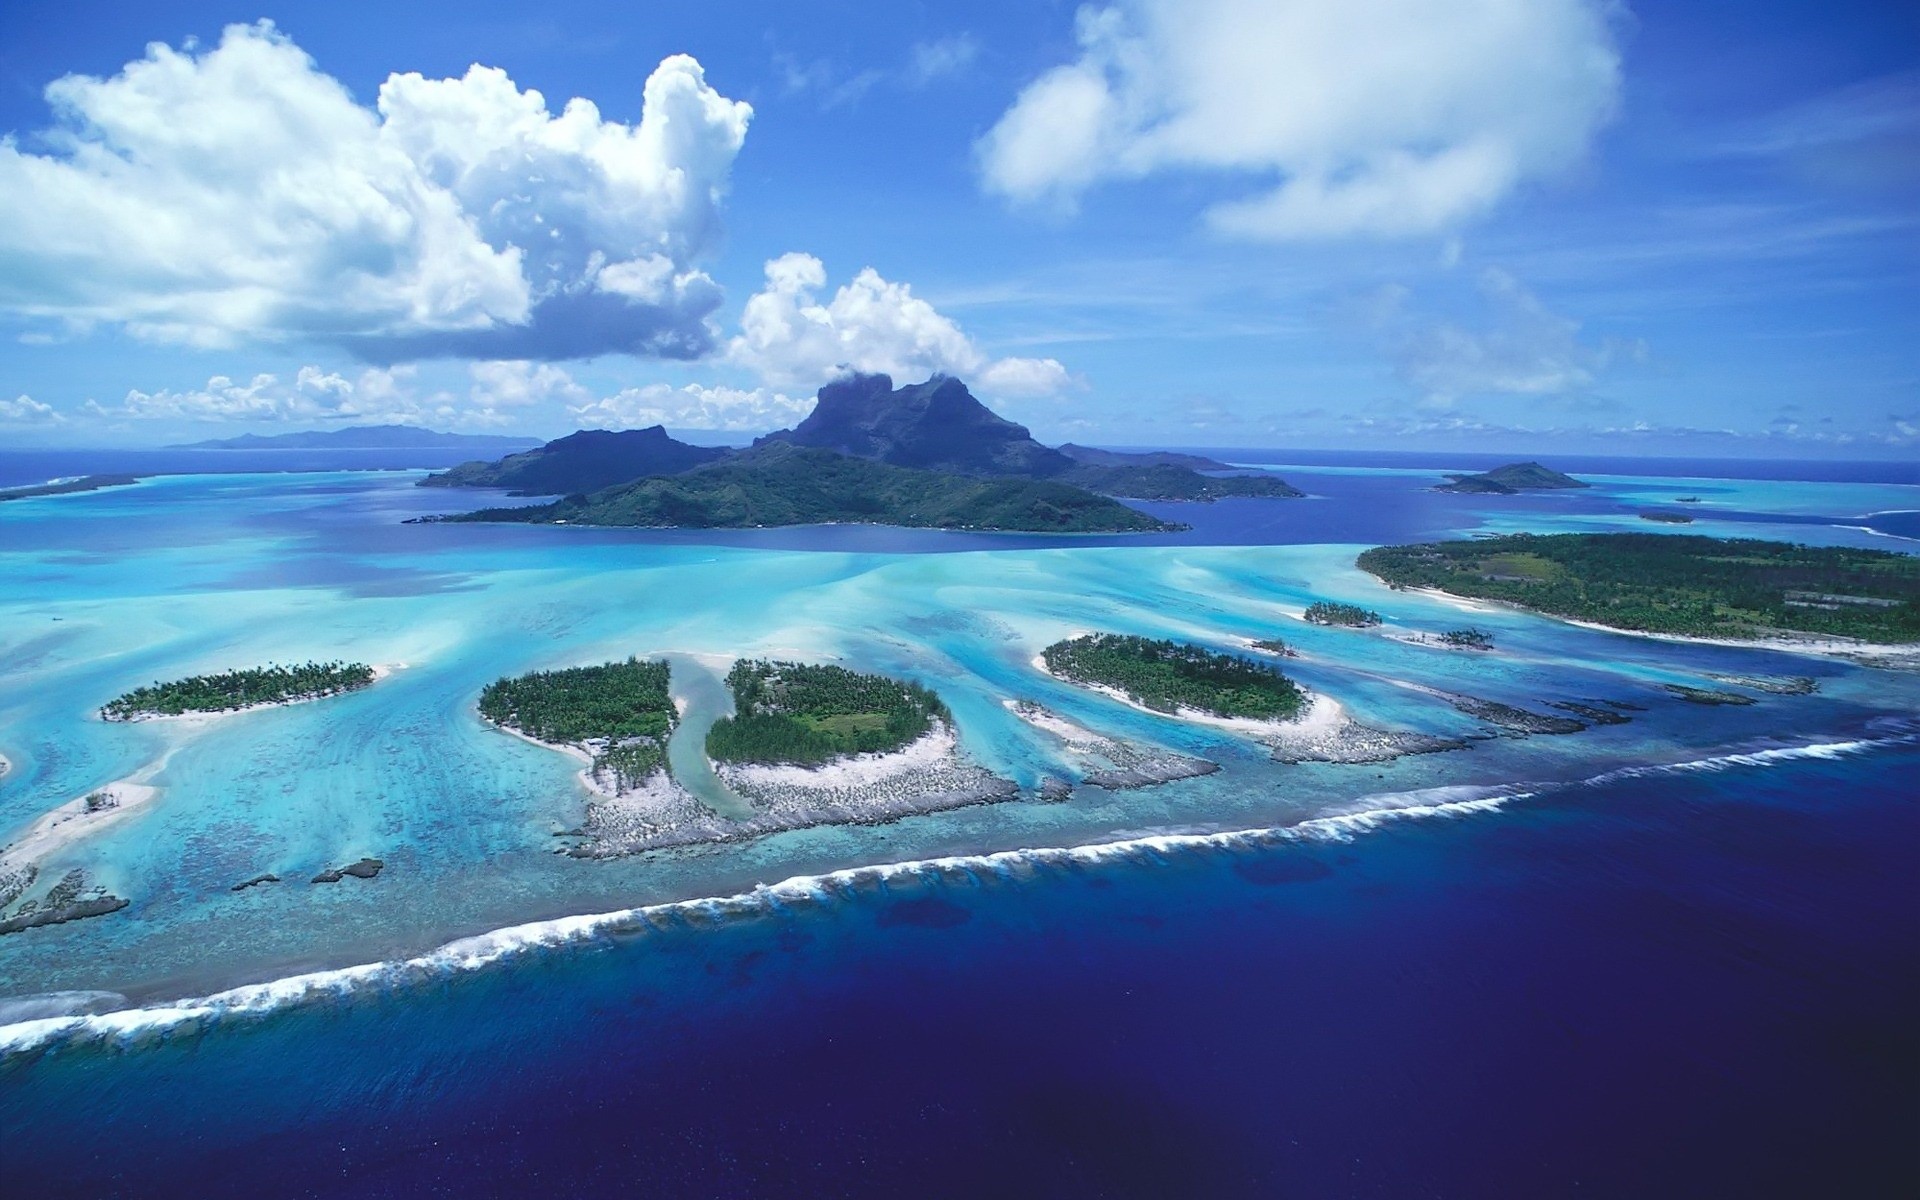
column 490, row 1046
column 184, row 574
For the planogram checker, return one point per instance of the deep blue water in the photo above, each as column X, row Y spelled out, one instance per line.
column 1679, row 984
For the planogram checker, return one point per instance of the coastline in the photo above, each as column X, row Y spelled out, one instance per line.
column 928, row 775
column 192, row 720
column 1885, row 654
column 151, row 1014
column 1323, row 732
column 1106, row 762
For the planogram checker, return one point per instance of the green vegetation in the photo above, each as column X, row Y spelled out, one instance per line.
column 1168, row 481
column 1277, row 647
column 239, row 689
column 782, row 484
column 1675, row 583
column 1326, row 612
column 1666, row 518
column 802, row 714
column 1168, row 676
column 1468, row 639
column 1514, row 477
column 86, row 483
column 620, row 712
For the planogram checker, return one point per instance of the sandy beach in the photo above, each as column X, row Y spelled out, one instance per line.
column 1107, row 762
column 192, row 720
column 1324, row 732
column 1866, row 653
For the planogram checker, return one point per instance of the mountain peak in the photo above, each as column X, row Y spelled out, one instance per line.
column 937, row 424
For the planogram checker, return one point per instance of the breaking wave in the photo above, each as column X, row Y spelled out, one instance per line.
column 137, row 1026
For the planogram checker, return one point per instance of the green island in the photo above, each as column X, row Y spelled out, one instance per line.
column 619, row 713
column 1682, row 584
column 1167, row 676
column 1510, row 479
column 1169, row 481
column 1276, row 647
column 804, row 714
column 1327, row 612
column 230, row 690
column 783, row 484
column 1666, row 518
column 1468, row 639
column 86, row 483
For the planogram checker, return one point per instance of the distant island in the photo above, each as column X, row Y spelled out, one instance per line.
column 803, row 714
column 1681, row 584
column 1169, row 676
column 1093, row 456
column 367, row 437
column 924, row 455
column 67, row 487
column 232, row 691
column 1512, row 478
column 790, row 485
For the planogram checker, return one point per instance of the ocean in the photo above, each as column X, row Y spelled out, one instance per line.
column 1676, row 957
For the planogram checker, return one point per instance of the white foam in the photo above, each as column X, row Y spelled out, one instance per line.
column 134, row 1025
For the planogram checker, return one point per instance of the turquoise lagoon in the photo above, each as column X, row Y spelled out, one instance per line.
column 103, row 591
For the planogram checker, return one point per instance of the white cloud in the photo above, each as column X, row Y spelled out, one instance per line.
column 1380, row 117
column 238, row 193
column 1520, row 347
column 519, row 383
column 311, row 395
column 693, row 407
column 941, row 58
column 25, row 410
column 791, row 338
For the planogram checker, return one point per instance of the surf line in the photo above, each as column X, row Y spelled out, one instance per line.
column 133, row 1027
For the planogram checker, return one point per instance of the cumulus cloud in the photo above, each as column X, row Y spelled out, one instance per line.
column 312, row 394
column 693, row 407
column 25, row 410
column 1379, row 117
column 241, row 193
column 519, row 383
column 790, row 337
column 1519, row 347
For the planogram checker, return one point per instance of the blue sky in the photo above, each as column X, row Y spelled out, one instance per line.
column 1527, row 225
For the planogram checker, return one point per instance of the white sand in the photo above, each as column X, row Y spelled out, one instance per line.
column 1469, row 605
column 1322, row 714
column 1827, row 647
column 71, row 821
column 581, row 755
column 933, row 749
column 195, row 720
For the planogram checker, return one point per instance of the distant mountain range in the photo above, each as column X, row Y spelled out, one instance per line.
column 368, row 437
column 926, row 454
column 1514, row 477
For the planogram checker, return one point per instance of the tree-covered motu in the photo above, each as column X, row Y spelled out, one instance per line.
column 1328, row 612
column 1168, row 676
column 1675, row 583
column 620, row 712
column 805, row 714
column 237, row 689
